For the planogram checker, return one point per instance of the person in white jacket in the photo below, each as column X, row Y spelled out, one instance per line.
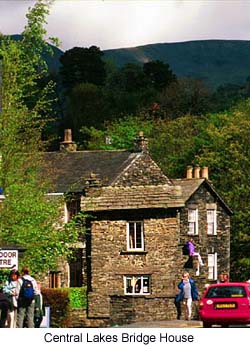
column 25, row 310
column 10, row 289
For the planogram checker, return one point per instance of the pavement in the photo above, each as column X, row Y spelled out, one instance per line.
column 164, row 324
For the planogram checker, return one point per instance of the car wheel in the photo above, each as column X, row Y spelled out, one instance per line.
column 206, row 325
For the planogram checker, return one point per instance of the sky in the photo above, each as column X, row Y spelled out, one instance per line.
column 112, row 24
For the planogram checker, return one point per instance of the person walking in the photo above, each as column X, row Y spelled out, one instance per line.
column 4, row 308
column 26, row 291
column 39, row 307
column 188, row 293
column 10, row 290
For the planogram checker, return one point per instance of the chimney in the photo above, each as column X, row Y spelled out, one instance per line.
column 189, row 172
column 197, row 172
column 68, row 144
column 204, row 172
column 92, row 182
column 141, row 143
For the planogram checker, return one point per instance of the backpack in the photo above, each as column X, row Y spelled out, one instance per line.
column 185, row 249
column 27, row 293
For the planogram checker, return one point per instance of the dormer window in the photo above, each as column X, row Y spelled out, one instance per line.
column 135, row 237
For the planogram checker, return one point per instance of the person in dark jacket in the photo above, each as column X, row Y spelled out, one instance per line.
column 4, row 308
column 188, row 293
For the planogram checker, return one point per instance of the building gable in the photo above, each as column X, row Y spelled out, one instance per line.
column 142, row 170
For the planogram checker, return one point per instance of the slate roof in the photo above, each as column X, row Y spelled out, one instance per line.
column 68, row 172
column 189, row 186
column 69, row 169
column 133, row 197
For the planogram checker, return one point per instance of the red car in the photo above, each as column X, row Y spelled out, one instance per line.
column 225, row 304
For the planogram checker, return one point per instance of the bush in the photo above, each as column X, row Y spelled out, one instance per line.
column 4, row 275
column 58, row 300
column 61, row 301
column 78, row 297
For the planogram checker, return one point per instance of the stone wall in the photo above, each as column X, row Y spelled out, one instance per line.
column 162, row 259
column 130, row 309
column 205, row 243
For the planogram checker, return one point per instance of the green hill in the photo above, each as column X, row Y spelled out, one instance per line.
column 217, row 62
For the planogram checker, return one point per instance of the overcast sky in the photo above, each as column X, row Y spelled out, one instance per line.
column 111, row 24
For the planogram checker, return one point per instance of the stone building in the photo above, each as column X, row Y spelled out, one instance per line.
column 131, row 257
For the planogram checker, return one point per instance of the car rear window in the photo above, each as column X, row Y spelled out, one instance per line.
column 226, row 291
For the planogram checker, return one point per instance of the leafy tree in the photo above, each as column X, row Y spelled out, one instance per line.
column 185, row 96
column 127, row 91
column 227, row 153
column 118, row 134
column 82, row 65
column 27, row 215
column 86, row 108
column 159, row 74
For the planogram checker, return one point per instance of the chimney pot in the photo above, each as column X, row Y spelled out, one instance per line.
column 196, row 172
column 68, row 144
column 189, row 172
column 67, row 136
column 141, row 143
column 204, row 172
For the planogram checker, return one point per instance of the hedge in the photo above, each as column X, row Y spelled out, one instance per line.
column 61, row 301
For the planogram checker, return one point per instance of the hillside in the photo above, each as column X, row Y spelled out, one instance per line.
column 217, row 62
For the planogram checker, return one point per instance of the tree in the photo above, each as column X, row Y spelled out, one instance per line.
column 86, row 108
column 159, row 74
column 82, row 65
column 226, row 151
column 185, row 96
column 27, row 215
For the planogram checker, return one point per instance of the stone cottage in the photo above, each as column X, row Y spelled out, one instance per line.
column 131, row 257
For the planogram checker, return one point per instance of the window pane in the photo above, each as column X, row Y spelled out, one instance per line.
column 135, row 236
column 145, row 284
column 191, row 215
column 210, row 228
column 138, row 286
column 129, row 288
column 191, row 227
column 131, row 236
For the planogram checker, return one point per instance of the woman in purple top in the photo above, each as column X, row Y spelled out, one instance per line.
column 192, row 252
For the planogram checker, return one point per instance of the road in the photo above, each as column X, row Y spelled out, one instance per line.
column 173, row 324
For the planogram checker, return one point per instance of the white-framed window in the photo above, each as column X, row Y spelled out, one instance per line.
column 211, row 222
column 192, row 221
column 212, row 266
column 137, row 285
column 135, row 237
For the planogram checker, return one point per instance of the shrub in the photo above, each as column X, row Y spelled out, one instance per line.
column 58, row 300
column 61, row 301
column 78, row 297
column 4, row 275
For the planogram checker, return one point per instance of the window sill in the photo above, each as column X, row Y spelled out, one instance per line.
column 135, row 252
